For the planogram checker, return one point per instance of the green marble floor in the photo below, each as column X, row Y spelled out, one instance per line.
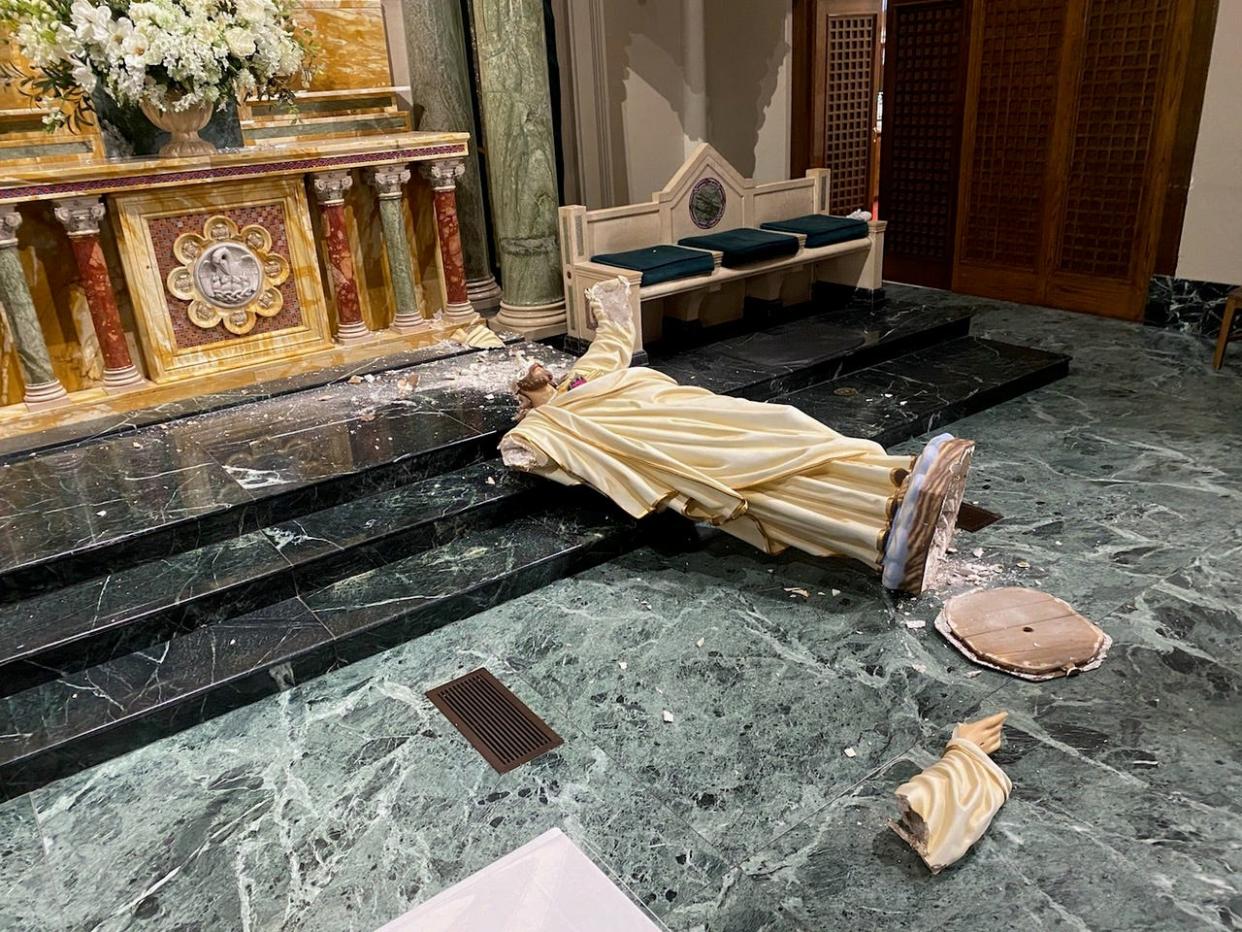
column 339, row 804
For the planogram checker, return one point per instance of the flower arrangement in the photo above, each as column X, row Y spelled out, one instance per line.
column 161, row 55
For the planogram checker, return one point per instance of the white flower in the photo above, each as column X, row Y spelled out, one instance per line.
column 240, row 42
column 91, row 22
column 252, row 11
column 85, row 77
column 118, row 32
column 135, row 47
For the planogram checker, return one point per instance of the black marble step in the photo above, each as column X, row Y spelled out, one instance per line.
column 88, row 622
column 77, row 720
column 923, row 390
column 805, row 350
column 81, row 512
column 106, row 422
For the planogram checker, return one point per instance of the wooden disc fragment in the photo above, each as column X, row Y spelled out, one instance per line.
column 1025, row 632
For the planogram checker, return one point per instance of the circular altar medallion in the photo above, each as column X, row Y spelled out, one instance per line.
column 707, row 203
column 228, row 274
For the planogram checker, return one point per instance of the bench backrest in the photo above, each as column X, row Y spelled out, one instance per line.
column 705, row 194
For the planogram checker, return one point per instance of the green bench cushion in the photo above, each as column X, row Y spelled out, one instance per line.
column 660, row 263
column 745, row 246
column 821, row 229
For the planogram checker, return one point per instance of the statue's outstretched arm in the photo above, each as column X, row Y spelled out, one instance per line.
column 613, row 346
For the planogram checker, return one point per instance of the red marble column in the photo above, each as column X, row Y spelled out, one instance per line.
column 443, row 176
column 330, row 188
column 80, row 217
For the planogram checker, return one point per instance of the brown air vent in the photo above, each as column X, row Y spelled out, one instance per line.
column 973, row 518
column 495, row 721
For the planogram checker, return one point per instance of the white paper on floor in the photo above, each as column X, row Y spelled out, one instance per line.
column 548, row 885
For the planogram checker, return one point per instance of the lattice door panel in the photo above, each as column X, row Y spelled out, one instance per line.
column 850, row 104
column 922, row 138
column 1112, row 135
column 1016, row 101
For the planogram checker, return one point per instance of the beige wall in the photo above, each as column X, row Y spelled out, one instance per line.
column 1212, row 234
column 646, row 86
column 749, row 49
column 640, row 80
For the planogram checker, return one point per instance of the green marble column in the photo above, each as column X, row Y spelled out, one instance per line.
column 389, row 182
column 440, row 84
column 521, row 165
column 42, row 386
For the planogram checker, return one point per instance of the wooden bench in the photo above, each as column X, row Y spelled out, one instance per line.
column 707, row 195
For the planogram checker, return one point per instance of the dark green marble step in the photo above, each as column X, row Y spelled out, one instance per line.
column 85, row 623
column 927, row 389
column 73, row 514
column 797, row 350
column 70, row 723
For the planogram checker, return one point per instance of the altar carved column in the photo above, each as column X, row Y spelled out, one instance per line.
column 443, row 176
column 42, row 388
column 330, row 188
column 389, row 182
column 80, row 217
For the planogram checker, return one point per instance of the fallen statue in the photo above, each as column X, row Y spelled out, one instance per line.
column 766, row 473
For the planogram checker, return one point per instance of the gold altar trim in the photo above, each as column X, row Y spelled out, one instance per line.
column 287, row 158
column 94, row 403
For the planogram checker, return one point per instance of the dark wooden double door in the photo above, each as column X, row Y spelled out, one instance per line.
column 1027, row 146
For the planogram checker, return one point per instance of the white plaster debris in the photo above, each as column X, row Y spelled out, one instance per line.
column 978, row 551
column 698, row 643
column 370, row 377
column 797, row 591
column 101, row 513
column 835, row 593
column 668, row 716
column 962, row 573
column 915, row 623
column 971, row 674
column 850, row 752
column 491, row 480
column 623, row 665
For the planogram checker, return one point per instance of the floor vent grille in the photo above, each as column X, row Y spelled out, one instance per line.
column 496, row 722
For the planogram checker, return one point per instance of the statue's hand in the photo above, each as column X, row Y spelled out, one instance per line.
column 610, row 300
column 986, row 732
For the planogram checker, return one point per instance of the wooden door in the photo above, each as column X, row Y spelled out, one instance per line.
column 1067, row 140
column 1120, row 130
column 924, row 84
column 845, row 83
column 1007, row 144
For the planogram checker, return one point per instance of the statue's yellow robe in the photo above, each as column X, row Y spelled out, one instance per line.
column 766, row 473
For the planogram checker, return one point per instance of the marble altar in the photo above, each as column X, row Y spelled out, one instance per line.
column 195, row 268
